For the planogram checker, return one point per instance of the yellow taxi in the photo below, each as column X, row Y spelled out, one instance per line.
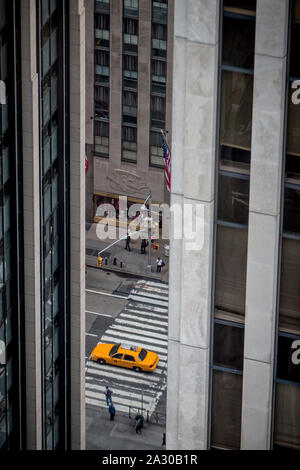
column 131, row 357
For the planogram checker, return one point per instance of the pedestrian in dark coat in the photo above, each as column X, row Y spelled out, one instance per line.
column 143, row 246
column 127, row 246
column 112, row 411
column 139, row 421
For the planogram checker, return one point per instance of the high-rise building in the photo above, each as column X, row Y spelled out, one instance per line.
column 42, row 214
column 234, row 306
column 129, row 47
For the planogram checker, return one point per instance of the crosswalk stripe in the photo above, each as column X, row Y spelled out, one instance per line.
column 155, row 284
column 141, row 324
column 121, row 408
column 138, row 298
column 146, row 314
column 148, row 308
column 156, row 290
column 125, row 378
column 151, row 334
column 114, row 339
column 147, row 398
column 116, row 401
column 144, row 293
column 142, row 319
column 136, row 338
column 150, row 295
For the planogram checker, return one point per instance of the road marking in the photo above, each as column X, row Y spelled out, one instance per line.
column 147, row 314
column 115, row 339
column 145, row 300
column 142, row 325
column 99, row 404
column 137, row 338
column 148, row 334
column 106, row 293
column 125, row 378
column 142, row 319
column 149, row 308
column 125, row 393
column 149, row 295
column 99, row 314
column 90, row 334
column 155, row 284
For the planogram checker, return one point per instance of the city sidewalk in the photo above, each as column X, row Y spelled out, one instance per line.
column 133, row 262
column 103, row 434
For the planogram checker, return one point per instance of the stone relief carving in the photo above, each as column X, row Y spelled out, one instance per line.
column 127, row 182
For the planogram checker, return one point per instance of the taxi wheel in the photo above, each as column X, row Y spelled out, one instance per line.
column 137, row 369
column 101, row 361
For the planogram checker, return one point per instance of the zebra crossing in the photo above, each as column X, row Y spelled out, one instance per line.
column 143, row 322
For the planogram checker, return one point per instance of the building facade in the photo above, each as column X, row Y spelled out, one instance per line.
column 42, row 225
column 129, row 93
column 234, row 324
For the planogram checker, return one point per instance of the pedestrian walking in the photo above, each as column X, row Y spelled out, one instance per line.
column 127, row 246
column 163, row 444
column 139, row 422
column 112, row 411
column 143, row 246
column 108, row 394
column 159, row 264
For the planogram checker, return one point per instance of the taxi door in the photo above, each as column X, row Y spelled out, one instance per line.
column 128, row 361
column 117, row 359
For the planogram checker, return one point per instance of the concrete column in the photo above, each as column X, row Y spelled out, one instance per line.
column 77, row 221
column 195, row 75
column 116, row 69
column 31, row 216
column 264, row 221
column 144, row 81
column 90, row 56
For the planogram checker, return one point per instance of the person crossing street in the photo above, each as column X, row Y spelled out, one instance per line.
column 108, row 394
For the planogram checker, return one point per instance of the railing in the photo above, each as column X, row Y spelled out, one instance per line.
column 153, row 417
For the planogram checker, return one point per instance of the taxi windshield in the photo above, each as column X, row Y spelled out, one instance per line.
column 142, row 354
column 114, row 349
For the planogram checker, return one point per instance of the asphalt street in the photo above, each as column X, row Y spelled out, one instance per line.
column 134, row 311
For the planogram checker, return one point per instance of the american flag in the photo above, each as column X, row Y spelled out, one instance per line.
column 167, row 159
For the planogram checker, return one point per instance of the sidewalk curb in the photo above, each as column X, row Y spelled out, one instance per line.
column 129, row 273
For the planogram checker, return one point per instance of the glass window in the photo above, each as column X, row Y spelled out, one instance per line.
column 244, row 7
column 236, row 109
column 129, row 358
column 289, row 318
column 102, row 102
column 231, row 269
column 46, row 156
column 156, row 151
column 294, row 55
column 47, row 203
column 291, row 222
column 238, row 42
column 226, row 410
column 287, row 416
column 233, row 203
column 228, row 346
column 2, row 430
column 235, row 159
column 129, row 143
column 288, row 360
column 293, row 126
